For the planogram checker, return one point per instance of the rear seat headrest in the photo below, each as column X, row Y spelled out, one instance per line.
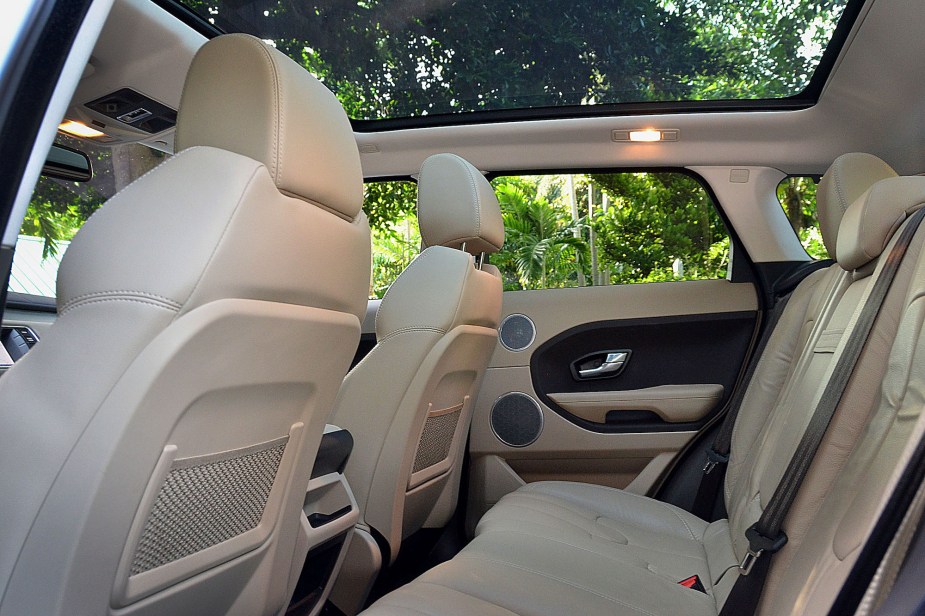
column 245, row 96
column 849, row 177
column 870, row 222
column 457, row 205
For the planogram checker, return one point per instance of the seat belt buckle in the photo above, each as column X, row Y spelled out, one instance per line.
column 758, row 544
column 714, row 459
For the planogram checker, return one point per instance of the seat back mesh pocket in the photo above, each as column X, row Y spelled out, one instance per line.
column 437, row 437
column 207, row 500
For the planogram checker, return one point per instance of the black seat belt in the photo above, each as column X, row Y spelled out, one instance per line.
column 765, row 537
column 718, row 454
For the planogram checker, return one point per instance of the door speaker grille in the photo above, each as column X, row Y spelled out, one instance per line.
column 516, row 419
column 516, row 332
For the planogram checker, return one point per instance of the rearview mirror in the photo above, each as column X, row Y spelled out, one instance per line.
column 64, row 163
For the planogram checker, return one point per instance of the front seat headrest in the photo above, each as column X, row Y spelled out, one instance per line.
column 849, row 177
column 247, row 97
column 457, row 205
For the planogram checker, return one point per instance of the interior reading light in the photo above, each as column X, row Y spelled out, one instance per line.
column 79, row 129
column 646, row 135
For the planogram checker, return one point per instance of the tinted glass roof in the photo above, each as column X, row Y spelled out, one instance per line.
column 391, row 59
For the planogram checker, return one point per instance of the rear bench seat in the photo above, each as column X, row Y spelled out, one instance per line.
column 570, row 548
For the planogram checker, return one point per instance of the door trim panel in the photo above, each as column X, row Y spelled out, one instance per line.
column 687, row 353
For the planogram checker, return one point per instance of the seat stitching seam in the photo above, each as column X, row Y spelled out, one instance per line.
column 408, row 330
column 475, row 194
column 553, row 540
column 636, row 496
column 558, row 579
column 384, row 302
column 425, row 582
column 138, row 295
column 221, row 239
column 121, row 291
column 120, row 196
column 118, row 299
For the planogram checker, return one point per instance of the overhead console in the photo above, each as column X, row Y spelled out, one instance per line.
column 129, row 112
column 131, row 87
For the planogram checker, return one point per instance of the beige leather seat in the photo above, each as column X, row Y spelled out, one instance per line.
column 155, row 447
column 408, row 403
column 559, row 547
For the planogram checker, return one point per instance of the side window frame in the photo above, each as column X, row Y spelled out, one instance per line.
column 739, row 268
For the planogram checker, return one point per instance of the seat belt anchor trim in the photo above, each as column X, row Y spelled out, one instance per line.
column 714, row 459
column 758, row 544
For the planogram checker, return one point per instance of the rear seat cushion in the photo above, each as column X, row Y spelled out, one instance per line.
column 503, row 572
column 560, row 547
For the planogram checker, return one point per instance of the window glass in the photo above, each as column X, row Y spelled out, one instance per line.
column 573, row 230
column 608, row 228
column 391, row 209
column 406, row 59
column 797, row 195
column 59, row 208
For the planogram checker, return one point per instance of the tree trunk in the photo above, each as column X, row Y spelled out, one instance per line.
column 595, row 274
column 793, row 204
column 573, row 202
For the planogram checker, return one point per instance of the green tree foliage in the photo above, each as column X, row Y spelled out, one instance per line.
column 386, row 59
column 396, row 238
column 655, row 219
column 543, row 246
column 396, row 59
column 797, row 195
column 59, row 208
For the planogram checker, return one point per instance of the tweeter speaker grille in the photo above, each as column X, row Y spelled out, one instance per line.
column 516, row 332
column 516, row 419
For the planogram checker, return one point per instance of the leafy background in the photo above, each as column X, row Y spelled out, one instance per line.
column 405, row 58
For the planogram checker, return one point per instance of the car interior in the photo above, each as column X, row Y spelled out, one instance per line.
column 448, row 308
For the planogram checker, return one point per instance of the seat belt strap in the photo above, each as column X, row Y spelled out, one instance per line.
column 718, row 453
column 766, row 536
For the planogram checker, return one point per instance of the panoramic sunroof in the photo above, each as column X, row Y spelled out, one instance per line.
column 389, row 60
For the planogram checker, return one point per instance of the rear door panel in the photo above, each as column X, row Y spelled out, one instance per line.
column 687, row 342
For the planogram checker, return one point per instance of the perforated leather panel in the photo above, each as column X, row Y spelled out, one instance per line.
column 436, row 439
column 207, row 500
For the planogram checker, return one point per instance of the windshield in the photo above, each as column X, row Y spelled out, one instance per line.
column 397, row 59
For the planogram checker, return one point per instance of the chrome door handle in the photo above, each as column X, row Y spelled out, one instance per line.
column 602, row 364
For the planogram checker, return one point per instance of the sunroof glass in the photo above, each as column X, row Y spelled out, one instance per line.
column 407, row 58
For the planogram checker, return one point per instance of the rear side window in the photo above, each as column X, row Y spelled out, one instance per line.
column 572, row 230
column 576, row 230
column 797, row 195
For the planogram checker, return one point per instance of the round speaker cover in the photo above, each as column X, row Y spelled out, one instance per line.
column 516, row 332
column 516, row 419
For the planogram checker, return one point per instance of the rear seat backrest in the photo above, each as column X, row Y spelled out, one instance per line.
column 606, row 550
column 767, row 433
column 851, row 473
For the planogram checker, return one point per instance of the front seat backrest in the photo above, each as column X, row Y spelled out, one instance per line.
column 156, row 445
column 408, row 403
